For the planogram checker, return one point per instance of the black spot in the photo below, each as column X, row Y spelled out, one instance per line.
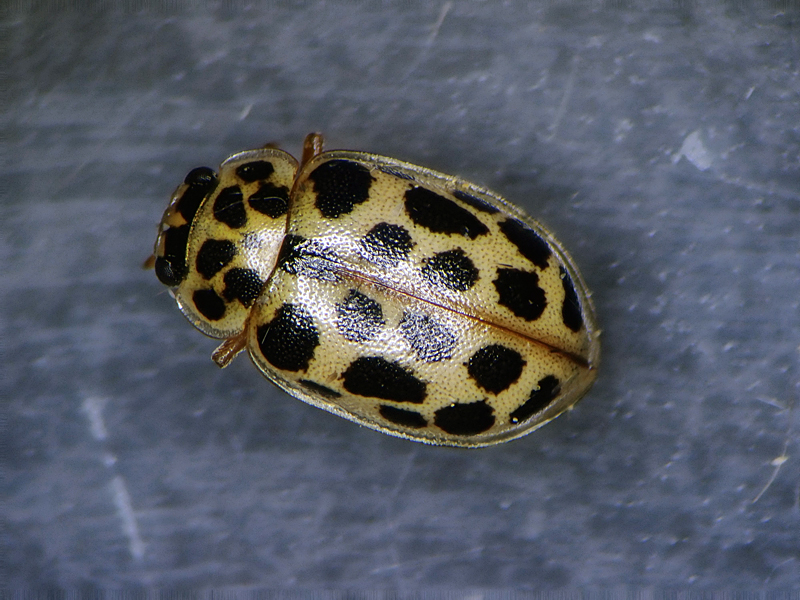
column 299, row 256
column 213, row 256
column 431, row 340
column 495, row 367
column 549, row 388
column 243, row 285
column 171, row 267
column 376, row 377
column 208, row 304
column 229, row 207
column 271, row 200
column 396, row 173
column 168, row 272
column 400, row 416
column 571, row 309
column 359, row 318
column 291, row 252
column 289, row 340
column 340, row 185
column 201, row 182
column 451, row 269
column 475, row 202
column 441, row 215
column 387, row 244
column 317, row 388
column 255, row 170
column 527, row 241
column 465, row 419
column 201, row 177
column 520, row 292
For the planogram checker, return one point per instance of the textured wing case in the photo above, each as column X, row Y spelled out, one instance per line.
column 420, row 305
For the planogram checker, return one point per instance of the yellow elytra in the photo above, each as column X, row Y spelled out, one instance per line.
column 409, row 301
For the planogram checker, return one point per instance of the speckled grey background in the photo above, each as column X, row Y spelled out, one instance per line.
column 659, row 140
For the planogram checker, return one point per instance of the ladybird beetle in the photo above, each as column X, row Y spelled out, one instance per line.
column 409, row 301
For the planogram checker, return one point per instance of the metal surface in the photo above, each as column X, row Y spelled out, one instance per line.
column 661, row 145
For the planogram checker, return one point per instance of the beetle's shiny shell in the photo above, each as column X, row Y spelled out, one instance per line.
column 411, row 302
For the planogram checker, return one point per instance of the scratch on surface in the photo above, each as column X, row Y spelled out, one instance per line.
column 696, row 153
column 93, row 407
column 771, row 401
column 436, row 26
column 758, row 187
column 446, row 7
column 430, row 560
column 778, row 566
column 127, row 115
column 562, row 106
column 797, row 497
column 776, row 462
column 245, row 111
column 391, row 509
column 125, row 509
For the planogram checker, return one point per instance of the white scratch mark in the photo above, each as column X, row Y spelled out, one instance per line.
column 562, row 107
column 771, row 401
column 99, row 150
column 245, row 112
column 621, row 130
column 776, row 462
column 93, row 407
column 125, row 509
column 749, row 93
column 778, row 566
column 446, row 7
column 391, row 508
column 429, row 560
column 650, row 36
column 436, row 26
column 694, row 151
column 758, row 187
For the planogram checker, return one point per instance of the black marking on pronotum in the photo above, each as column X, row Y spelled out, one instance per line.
column 289, row 340
column 465, row 419
column 229, row 207
column 213, row 256
column 270, row 199
column 201, row 182
column 441, row 215
column 255, row 170
column 171, row 267
column 340, row 185
column 243, row 285
column 209, row 304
